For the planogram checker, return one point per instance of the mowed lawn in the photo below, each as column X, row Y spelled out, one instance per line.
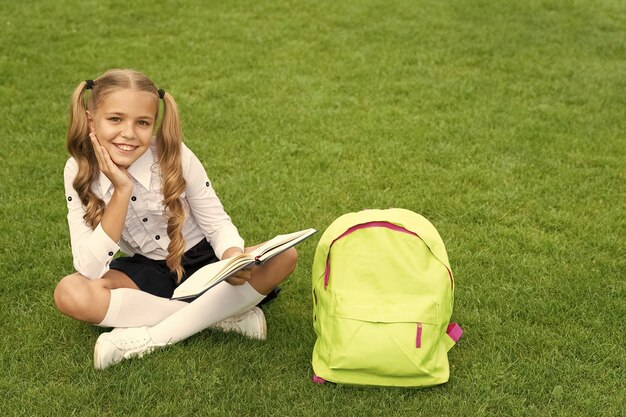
column 503, row 122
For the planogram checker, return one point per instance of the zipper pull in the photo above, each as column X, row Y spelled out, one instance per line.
column 418, row 338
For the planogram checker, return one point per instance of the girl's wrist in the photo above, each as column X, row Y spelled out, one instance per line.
column 230, row 252
column 123, row 190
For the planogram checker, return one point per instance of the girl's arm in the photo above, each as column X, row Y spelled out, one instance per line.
column 114, row 216
column 92, row 249
column 207, row 209
column 230, row 252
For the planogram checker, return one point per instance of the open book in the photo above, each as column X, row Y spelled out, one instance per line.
column 210, row 275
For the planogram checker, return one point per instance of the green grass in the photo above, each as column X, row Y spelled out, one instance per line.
column 500, row 121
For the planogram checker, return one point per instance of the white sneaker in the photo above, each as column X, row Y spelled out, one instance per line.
column 251, row 324
column 114, row 346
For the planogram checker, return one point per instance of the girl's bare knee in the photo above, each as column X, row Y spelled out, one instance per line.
column 67, row 293
column 74, row 296
column 291, row 259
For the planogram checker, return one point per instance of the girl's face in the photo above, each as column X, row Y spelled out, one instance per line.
column 124, row 124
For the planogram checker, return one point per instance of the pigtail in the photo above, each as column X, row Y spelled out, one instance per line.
column 79, row 146
column 169, row 137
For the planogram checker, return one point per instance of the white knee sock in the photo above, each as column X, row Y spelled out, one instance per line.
column 133, row 308
column 217, row 304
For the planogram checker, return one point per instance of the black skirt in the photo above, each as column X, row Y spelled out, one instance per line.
column 154, row 277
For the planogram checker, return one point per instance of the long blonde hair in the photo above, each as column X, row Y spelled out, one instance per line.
column 169, row 137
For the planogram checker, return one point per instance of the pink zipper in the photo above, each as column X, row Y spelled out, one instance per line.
column 418, row 337
column 366, row 226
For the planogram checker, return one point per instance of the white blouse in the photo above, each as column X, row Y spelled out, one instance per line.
column 145, row 229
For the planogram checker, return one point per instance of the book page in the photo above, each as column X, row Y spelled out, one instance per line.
column 212, row 274
column 280, row 243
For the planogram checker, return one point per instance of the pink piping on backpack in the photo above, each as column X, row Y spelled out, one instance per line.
column 365, row 226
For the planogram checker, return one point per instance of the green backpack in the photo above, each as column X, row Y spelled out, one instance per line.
column 382, row 300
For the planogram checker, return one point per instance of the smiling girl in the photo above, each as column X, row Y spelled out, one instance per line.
column 133, row 186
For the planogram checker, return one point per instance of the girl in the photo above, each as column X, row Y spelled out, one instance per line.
column 147, row 194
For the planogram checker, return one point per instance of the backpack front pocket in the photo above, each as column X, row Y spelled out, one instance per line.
column 385, row 340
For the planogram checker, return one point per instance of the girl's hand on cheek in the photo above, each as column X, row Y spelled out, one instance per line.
column 117, row 175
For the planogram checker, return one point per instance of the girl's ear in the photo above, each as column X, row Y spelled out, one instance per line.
column 90, row 121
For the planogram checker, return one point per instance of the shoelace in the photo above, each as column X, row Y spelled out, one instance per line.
column 228, row 324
